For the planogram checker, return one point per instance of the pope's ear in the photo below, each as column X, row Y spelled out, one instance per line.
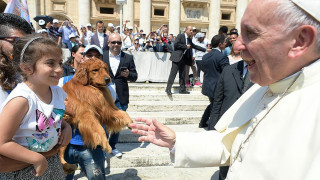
column 304, row 40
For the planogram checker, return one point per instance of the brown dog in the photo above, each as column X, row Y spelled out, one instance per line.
column 89, row 105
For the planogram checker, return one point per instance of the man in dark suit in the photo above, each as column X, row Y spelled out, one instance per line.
column 212, row 66
column 100, row 38
column 233, row 82
column 121, row 69
column 183, row 53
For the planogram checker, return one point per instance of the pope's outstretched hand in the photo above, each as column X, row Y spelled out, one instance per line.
column 154, row 132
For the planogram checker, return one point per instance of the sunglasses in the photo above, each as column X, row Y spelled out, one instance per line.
column 136, row 43
column 10, row 39
column 116, row 42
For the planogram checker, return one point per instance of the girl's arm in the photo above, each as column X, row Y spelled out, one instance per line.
column 9, row 165
column 10, row 120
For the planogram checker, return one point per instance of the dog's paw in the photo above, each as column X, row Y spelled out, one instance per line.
column 107, row 148
column 69, row 168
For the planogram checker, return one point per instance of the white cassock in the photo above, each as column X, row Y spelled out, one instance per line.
column 267, row 134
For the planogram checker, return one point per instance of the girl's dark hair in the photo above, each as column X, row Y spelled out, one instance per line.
column 7, row 73
column 75, row 49
column 37, row 49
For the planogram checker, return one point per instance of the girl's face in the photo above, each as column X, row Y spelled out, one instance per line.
column 48, row 70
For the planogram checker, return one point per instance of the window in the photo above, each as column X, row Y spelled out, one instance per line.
column 193, row 13
column 104, row 10
column 226, row 16
column 158, row 12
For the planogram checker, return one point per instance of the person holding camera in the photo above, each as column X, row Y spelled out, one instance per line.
column 66, row 29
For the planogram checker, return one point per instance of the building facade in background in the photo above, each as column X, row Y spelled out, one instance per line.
column 149, row 15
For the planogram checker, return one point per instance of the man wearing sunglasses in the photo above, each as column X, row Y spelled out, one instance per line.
column 121, row 69
column 136, row 46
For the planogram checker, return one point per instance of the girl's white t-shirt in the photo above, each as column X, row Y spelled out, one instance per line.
column 39, row 128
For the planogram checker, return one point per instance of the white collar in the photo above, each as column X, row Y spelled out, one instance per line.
column 111, row 55
column 185, row 34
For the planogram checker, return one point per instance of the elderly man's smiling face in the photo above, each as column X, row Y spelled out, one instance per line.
column 265, row 44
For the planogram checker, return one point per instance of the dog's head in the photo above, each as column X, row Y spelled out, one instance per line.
column 93, row 72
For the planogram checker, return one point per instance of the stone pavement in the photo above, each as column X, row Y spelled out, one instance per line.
column 145, row 161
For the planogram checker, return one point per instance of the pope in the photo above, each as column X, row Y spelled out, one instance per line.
column 273, row 130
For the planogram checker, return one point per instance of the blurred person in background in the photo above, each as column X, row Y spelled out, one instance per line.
column 85, row 36
column 100, row 39
column 53, row 31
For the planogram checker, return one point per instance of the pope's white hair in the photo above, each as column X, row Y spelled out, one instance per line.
column 293, row 17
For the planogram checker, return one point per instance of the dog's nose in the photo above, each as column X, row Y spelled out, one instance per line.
column 107, row 80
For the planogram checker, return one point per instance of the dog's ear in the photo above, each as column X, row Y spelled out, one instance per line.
column 82, row 76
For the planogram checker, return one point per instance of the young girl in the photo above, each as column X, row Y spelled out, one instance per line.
column 31, row 116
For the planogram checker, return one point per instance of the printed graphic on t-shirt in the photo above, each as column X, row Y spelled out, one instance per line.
column 41, row 135
column 37, row 146
column 40, row 141
column 44, row 122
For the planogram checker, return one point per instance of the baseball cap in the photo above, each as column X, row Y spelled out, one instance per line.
column 199, row 35
column 110, row 25
column 130, row 27
column 118, row 27
column 92, row 47
column 194, row 28
column 72, row 36
column 55, row 21
column 88, row 25
column 310, row 7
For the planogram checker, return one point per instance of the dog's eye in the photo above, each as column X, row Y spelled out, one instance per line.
column 95, row 70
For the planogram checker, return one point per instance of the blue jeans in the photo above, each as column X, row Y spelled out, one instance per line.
column 113, row 140
column 90, row 160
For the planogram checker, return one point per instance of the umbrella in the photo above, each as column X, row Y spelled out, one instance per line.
column 44, row 18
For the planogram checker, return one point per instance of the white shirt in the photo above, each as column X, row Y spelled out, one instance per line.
column 86, row 38
column 133, row 49
column 141, row 41
column 199, row 54
column 38, row 129
column 186, row 36
column 101, row 39
column 127, row 43
column 114, row 62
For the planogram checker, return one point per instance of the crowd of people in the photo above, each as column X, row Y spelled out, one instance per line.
column 68, row 35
